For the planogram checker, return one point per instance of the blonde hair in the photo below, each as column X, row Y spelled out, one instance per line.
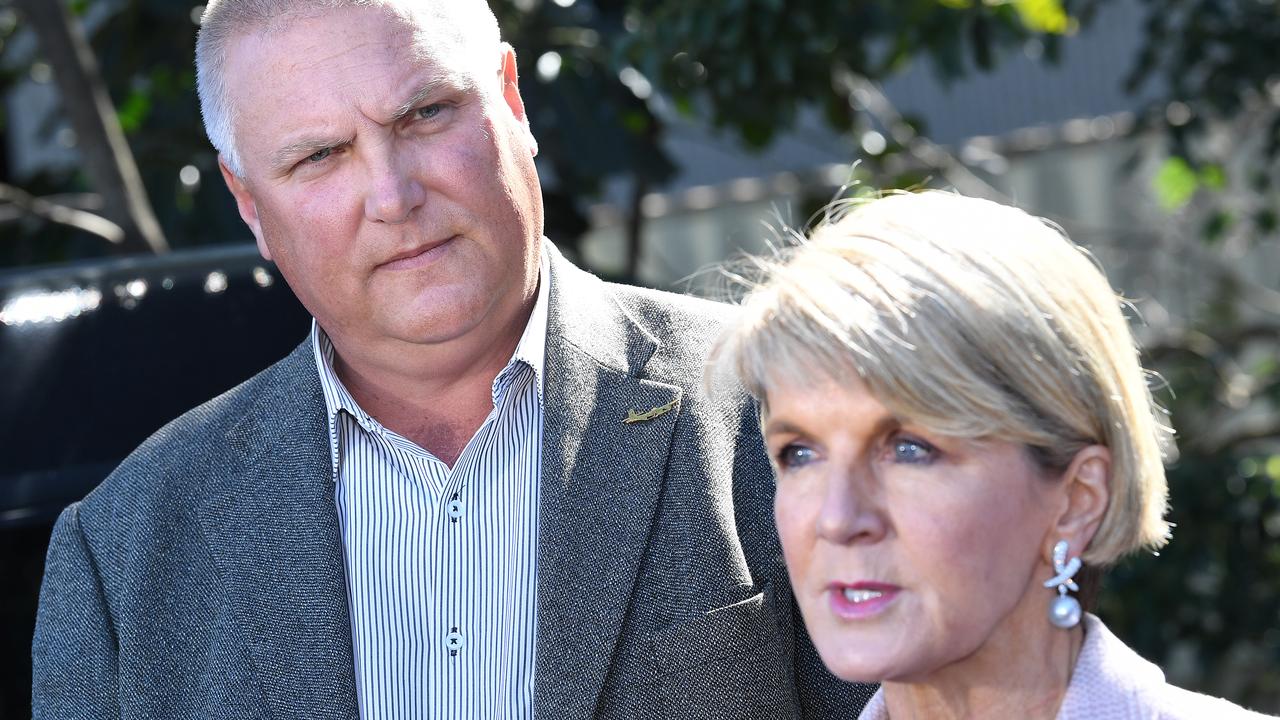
column 469, row 23
column 976, row 320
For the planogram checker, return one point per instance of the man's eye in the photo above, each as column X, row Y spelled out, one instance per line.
column 428, row 112
column 793, row 456
column 911, row 451
column 319, row 155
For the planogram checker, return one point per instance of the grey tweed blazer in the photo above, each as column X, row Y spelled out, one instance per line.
column 204, row 577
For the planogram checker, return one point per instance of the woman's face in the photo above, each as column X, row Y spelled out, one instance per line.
column 908, row 551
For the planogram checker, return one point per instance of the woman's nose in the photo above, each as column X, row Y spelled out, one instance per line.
column 850, row 512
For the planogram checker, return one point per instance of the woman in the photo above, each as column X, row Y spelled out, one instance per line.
column 962, row 436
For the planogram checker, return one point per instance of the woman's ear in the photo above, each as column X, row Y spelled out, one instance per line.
column 1086, row 492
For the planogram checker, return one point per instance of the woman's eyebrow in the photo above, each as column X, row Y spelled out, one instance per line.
column 882, row 424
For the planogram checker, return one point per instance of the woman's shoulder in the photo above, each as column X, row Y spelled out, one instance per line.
column 1111, row 681
column 1178, row 704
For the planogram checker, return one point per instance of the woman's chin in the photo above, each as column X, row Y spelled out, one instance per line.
column 861, row 666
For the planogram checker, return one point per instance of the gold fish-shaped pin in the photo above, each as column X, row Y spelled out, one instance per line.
column 634, row 416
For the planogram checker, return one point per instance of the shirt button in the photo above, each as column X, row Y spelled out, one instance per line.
column 455, row 508
column 454, row 641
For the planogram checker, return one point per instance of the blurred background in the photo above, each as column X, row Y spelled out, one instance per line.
column 673, row 135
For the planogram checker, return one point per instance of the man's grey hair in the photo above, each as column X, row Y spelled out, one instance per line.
column 471, row 21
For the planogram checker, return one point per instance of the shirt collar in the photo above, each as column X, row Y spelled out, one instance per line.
column 530, row 351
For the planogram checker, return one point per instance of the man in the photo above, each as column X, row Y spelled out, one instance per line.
column 488, row 485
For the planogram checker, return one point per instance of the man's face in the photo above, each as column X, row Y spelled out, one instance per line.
column 388, row 174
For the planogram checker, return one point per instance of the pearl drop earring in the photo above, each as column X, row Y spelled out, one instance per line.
column 1064, row 611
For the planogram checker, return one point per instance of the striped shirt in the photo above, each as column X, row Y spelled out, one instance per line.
column 442, row 564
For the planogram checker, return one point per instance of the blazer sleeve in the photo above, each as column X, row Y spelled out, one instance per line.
column 74, row 654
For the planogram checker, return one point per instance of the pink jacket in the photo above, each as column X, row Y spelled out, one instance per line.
column 1112, row 682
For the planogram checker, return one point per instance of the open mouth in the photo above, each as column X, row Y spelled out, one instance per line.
column 861, row 596
column 861, row 599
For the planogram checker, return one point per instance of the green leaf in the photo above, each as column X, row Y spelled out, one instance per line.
column 635, row 122
column 1045, row 16
column 1213, row 177
column 133, row 111
column 1175, row 183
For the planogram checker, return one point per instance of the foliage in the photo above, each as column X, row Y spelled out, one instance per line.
column 1216, row 61
column 607, row 70
column 1209, row 608
column 151, row 81
column 750, row 65
column 596, row 75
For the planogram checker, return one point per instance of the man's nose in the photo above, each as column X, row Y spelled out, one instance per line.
column 394, row 190
column 851, row 511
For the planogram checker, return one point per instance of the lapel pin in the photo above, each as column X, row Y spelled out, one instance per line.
column 634, row 417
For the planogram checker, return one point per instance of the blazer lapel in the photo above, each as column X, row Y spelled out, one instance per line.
column 272, row 528
column 601, row 480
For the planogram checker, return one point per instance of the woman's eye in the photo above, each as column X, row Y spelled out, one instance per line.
column 793, row 455
column 319, row 155
column 907, row 450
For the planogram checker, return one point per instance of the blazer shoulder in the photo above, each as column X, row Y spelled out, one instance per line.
column 668, row 313
column 686, row 328
column 1111, row 680
column 167, row 469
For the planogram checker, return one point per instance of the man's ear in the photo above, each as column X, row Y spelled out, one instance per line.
column 511, row 93
column 1086, row 493
column 245, row 204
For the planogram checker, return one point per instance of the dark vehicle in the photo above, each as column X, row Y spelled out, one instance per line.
column 94, row 357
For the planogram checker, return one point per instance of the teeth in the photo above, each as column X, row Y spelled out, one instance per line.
column 858, row 596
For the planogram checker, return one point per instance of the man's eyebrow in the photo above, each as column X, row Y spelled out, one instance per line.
column 430, row 88
column 283, row 158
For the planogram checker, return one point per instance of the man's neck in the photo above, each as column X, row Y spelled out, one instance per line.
column 436, row 395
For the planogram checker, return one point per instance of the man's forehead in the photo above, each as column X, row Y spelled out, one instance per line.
column 430, row 21
column 304, row 82
column 424, row 38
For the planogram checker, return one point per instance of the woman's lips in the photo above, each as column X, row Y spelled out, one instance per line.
column 861, row 600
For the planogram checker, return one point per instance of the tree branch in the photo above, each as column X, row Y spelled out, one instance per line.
column 108, row 160
column 866, row 95
column 61, row 214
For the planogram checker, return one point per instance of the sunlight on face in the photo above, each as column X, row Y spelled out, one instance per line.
column 389, row 177
column 908, row 551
